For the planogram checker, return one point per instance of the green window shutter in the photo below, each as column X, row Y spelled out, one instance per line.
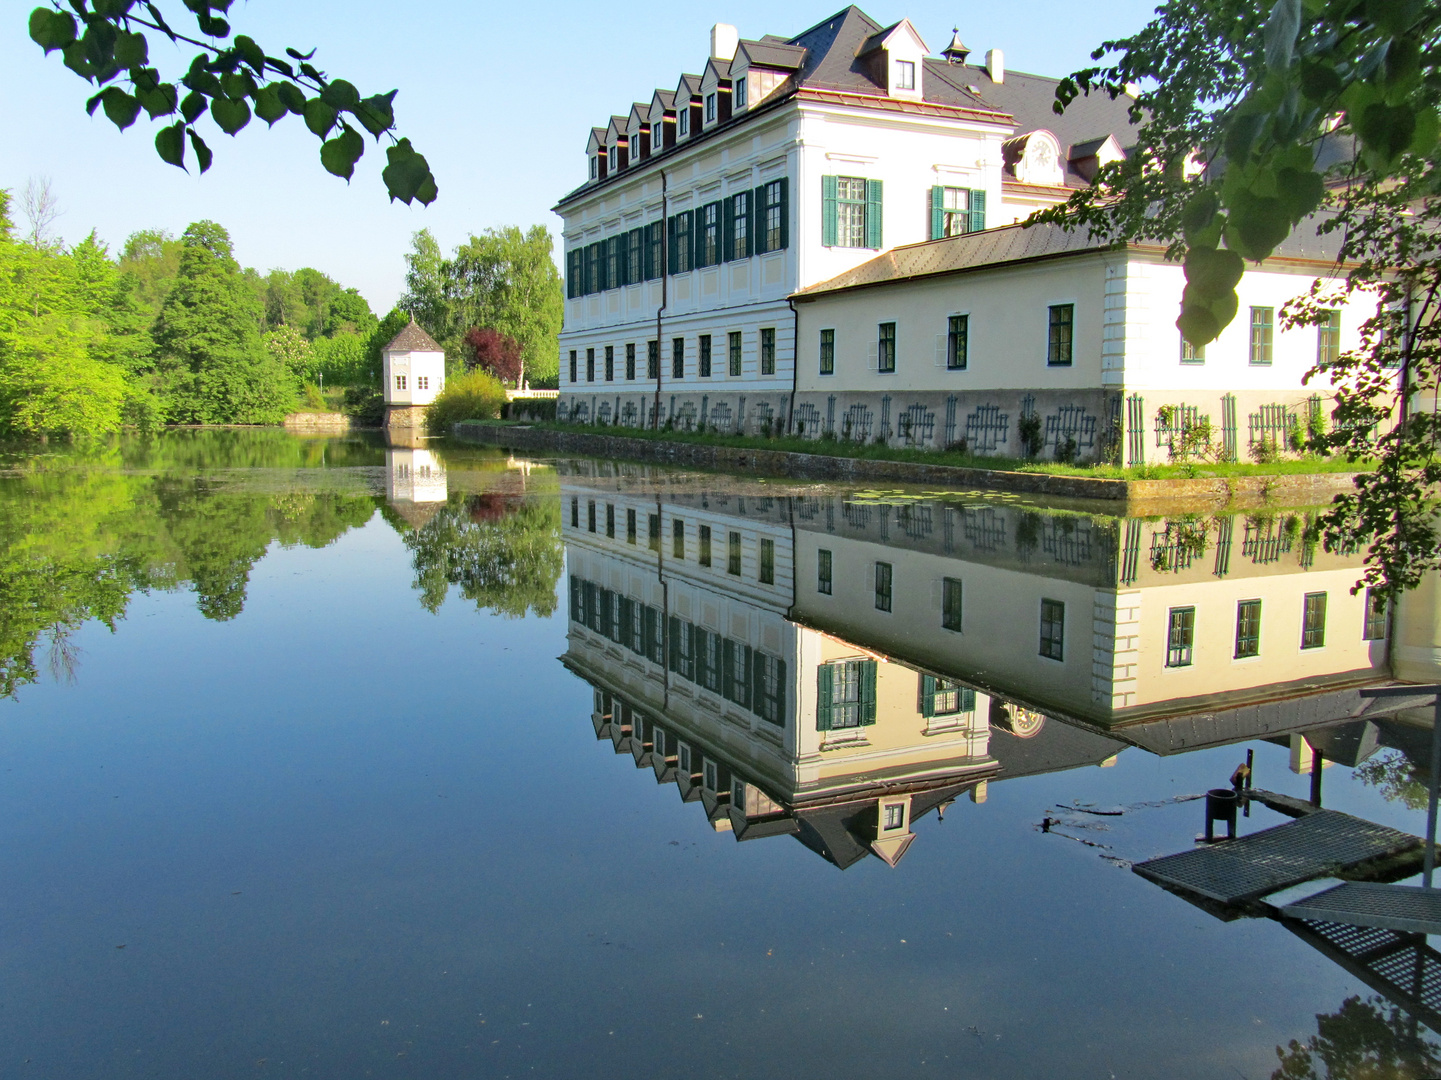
column 673, row 259
column 758, row 220
column 785, row 183
column 823, row 697
column 672, row 639
column 868, row 691
column 649, row 256
column 978, row 210
column 728, row 230
column 928, row 695
column 622, row 261
column 828, row 211
column 779, row 705
column 728, row 669
column 697, row 230
column 938, row 212
column 874, row 235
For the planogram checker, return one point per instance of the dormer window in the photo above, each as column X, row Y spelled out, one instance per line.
column 739, row 93
column 905, row 75
column 710, row 108
column 612, row 156
column 682, row 120
column 594, row 167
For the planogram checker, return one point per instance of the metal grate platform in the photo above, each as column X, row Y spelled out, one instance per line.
column 1238, row 871
column 1400, row 966
column 1361, row 903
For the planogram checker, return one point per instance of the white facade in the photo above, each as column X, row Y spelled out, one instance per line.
column 413, row 377
column 414, row 476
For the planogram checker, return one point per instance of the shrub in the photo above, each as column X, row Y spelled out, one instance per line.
column 472, row 396
column 365, row 405
column 530, row 409
column 314, row 399
column 1028, row 427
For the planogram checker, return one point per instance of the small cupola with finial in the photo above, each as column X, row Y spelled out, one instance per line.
column 956, row 52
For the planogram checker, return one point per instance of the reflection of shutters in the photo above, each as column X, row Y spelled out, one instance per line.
column 824, row 674
column 928, row 695
column 868, row 691
column 728, row 671
column 675, row 653
column 758, row 221
column 728, row 229
column 828, row 211
column 785, row 205
column 874, row 233
column 978, row 210
column 938, row 212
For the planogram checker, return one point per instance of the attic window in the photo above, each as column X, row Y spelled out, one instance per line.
column 895, row 816
column 738, row 93
column 710, row 108
column 682, row 120
column 594, row 167
column 905, row 75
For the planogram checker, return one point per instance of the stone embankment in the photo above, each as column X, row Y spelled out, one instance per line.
column 1138, row 496
column 317, row 421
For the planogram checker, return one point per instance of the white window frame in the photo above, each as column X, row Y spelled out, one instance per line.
column 905, row 74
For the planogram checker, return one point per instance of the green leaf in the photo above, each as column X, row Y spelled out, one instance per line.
column 159, row 100
column 407, row 174
column 1394, row 17
column 51, row 29
column 120, row 107
column 1240, row 134
column 1280, row 33
column 170, row 144
column 230, row 115
column 1319, row 81
column 202, row 152
column 77, row 61
column 193, row 107
column 211, row 26
column 132, row 50
column 292, row 97
column 268, row 105
column 1198, row 325
column 251, row 53
column 319, row 117
column 1428, row 130
column 340, row 154
column 1402, row 65
column 377, row 113
column 1300, row 190
column 237, row 84
column 1212, row 273
column 99, row 41
column 1257, row 227
column 93, row 103
column 340, row 95
column 1385, row 130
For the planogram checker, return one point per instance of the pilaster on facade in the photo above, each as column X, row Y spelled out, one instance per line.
column 1116, row 648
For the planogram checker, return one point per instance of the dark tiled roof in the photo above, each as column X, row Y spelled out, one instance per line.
column 666, row 97
column 1086, row 149
column 772, row 54
column 413, row 339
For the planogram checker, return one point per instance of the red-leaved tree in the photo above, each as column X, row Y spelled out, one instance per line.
column 496, row 353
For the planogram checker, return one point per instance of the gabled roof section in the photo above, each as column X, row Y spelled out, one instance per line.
column 639, row 114
column 885, row 38
column 616, row 128
column 664, row 98
column 413, row 339
column 769, row 54
column 596, row 141
column 716, row 70
column 687, row 88
column 831, row 47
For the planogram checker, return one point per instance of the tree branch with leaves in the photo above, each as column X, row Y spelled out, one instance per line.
column 107, row 43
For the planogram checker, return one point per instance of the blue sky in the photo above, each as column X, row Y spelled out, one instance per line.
column 500, row 99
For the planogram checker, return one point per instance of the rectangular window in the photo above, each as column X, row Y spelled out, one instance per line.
column 680, row 246
column 823, row 572
column 1058, row 348
column 1376, row 609
column 610, row 520
column 768, row 351
column 574, row 512
column 705, row 356
column 846, row 694
column 652, row 359
column 1328, row 339
column 1248, row 629
column 677, row 539
column 773, row 216
column 958, row 342
column 630, row 526
column 610, row 363
column 733, row 347
column 905, row 75
column 850, row 211
column 1192, row 354
column 704, row 544
column 630, row 360
column 942, row 697
column 590, row 515
column 733, row 555
column 1053, row 629
column 896, row 812
column 400, row 382
column 1313, row 621
column 738, row 93
column 951, row 604
column 886, row 348
column 573, row 367
column 741, row 222
column 422, row 382
column 612, row 262
column 654, row 261
column 710, row 108
column 955, row 211
column 635, row 257
column 710, row 235
column 1181, row 637
column 1263, row 320
column 768, row 562
column 828, row 352
column 682, row 118
column 883, row 586
column 677, row 358
column 590, row 365
column 653, row 521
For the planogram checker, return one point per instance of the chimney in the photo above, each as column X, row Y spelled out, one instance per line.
column 996, row 65
column 724, row 40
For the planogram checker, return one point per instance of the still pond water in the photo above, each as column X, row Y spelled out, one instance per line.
column 328, row 759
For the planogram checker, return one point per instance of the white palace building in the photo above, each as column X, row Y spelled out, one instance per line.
column 817, row 234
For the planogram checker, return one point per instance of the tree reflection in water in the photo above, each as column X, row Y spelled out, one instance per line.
column 1362, row 1040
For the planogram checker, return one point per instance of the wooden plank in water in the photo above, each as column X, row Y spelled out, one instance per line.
column 1239, row 871
column 1363, row 903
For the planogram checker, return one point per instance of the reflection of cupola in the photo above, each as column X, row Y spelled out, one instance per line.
column 956, row 52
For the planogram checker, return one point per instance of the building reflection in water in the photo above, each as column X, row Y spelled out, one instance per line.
column 415, row 480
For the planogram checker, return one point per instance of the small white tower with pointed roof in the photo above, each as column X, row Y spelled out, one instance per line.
column 413, row 370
